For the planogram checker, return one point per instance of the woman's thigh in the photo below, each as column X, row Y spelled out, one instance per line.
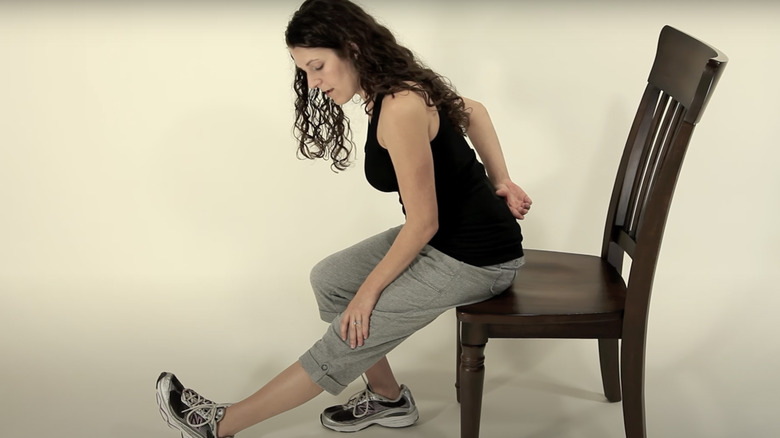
column 434, row 283
column 337, row 278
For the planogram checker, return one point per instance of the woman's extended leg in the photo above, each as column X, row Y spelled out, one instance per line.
column 335, row 281
column 198, row 417
column 291, row 388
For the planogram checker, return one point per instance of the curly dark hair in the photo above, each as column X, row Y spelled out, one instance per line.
column 383, row 66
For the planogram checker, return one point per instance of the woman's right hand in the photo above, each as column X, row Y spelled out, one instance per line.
column 356, row 319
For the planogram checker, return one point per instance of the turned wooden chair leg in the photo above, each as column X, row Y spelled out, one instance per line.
column 472, row 379
column 610, row 368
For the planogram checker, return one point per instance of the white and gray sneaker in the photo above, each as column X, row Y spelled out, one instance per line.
column 367, row 408
column 187, row 411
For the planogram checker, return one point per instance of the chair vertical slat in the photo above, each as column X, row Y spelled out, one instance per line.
column 653, row 155
column 640, row 170
column 674, row 119
column 627, row 171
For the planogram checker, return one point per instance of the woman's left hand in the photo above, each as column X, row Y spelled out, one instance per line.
column 518, row 201
column 356, row 319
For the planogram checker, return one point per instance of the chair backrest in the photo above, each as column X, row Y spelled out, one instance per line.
column 682, row 79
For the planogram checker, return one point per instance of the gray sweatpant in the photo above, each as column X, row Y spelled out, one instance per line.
column 433, row 283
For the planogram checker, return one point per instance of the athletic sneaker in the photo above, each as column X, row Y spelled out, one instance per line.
column 187, row 411
column 367, row 407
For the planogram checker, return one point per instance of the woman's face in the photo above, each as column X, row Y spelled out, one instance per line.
column 333, row 75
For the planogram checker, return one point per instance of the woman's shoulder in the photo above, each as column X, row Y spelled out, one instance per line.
column 408, row 111
column 412, row 97
column 403, row 101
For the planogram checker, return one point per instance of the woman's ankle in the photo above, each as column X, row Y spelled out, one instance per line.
column 388, row 392
column 222, row 425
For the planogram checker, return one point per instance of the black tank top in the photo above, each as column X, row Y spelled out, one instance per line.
column 475, row 224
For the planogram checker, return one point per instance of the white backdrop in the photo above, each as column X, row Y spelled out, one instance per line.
column 153, row 214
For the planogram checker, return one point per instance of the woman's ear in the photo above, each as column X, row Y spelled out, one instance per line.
column 355, row 49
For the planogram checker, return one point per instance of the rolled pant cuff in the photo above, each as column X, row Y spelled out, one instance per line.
column 319, row 374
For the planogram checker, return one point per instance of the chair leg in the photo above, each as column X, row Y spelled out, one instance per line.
column 472, row 380
column 633, row 364
column 458, row 351
column 610, row 368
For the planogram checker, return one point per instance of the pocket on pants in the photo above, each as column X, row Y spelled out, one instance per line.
column 505, row 274
column 433, row 269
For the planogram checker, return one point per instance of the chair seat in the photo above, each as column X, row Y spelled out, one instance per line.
column 573, row 294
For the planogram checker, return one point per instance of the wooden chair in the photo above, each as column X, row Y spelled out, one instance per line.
column 564, row 295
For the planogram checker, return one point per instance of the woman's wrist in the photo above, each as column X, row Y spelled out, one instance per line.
column 502, row 180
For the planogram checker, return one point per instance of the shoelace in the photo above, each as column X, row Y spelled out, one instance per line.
column 362, row 398
column 200, row 411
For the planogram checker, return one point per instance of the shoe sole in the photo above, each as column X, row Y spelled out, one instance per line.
column 163, row 404
column 162, row 401
column 397, row 421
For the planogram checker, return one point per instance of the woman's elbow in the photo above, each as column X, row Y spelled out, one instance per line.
column 433, row 226
column 426, row 227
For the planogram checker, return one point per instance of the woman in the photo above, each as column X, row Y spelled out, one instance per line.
column 460, row 242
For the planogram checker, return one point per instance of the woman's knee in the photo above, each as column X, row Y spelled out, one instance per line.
column 338, row 272
column 331, row 297
column 324, row 277
column 317, row 275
